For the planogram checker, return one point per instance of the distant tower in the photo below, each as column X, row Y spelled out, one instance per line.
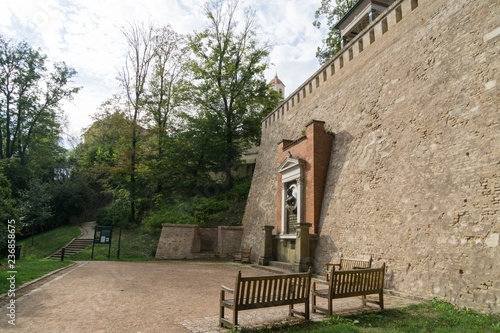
column 278, row 86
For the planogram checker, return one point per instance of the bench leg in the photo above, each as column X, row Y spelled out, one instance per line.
column 306, row 310
column 381, row 299
column 221, row 315
column 235, row 318
column 221, row 308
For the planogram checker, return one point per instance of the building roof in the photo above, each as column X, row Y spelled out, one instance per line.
column 380, row 3
column 276, row 80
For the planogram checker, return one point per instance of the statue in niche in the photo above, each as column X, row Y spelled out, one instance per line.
column 291, row 201
column 291, row 198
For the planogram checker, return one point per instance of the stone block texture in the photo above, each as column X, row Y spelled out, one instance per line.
column 414, row 170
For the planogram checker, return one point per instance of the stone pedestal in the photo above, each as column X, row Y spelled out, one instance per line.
column 302, row 252
column 267, row 246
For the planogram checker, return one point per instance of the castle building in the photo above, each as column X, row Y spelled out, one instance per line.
column 391, row 150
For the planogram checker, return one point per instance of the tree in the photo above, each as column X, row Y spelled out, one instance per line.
column 229, row 89
column 35, row 208
column 166, row 94
column 70, row 197
column 133, row 77
column 333, row 11
column 7, row 210
column 30, row 97
column 104, row 156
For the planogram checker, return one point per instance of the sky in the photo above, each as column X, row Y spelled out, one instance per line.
column 86, row 35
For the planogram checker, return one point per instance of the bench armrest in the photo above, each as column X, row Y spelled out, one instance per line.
column 315, row 284
column 330, row 265
column 227, row 289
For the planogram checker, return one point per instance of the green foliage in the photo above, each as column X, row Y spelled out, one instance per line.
column 332, row 11
column 7, row 210
column 223, row 207
column 34, row 209
column 102, row 157
column 197, row 210
column 240, row 188
column 70, row 198
column 229, row 90
column 117, row 213
column 30, row 98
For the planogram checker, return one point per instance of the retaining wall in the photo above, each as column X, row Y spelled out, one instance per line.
column 414, row 173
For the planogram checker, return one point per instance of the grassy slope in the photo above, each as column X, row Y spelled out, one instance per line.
column 134, row 246
column 32, row 263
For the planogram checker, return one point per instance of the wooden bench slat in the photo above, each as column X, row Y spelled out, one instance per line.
column 349, row 264
column 267, row 291
column 349, row 283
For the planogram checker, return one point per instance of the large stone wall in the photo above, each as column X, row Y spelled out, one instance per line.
column 414, row 174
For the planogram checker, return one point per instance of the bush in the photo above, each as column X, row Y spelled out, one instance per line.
column 176, row 214
column 117, row 213
column 241, row 188
column 201, row 211
column 224, row 208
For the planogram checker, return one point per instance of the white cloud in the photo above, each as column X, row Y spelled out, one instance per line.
column 86, row 35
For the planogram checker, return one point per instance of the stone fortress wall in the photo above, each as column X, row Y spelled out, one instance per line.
column 414, row 172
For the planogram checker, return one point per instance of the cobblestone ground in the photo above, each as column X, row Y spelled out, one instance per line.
column 166, row 296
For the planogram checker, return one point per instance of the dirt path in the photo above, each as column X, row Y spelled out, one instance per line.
column 124, row 297
column 161, row 296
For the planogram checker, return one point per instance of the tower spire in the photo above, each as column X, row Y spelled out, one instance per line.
column 278, row 85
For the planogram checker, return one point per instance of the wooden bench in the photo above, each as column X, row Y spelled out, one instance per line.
column 255, row 292
column 348, row 263
column 243, row 255
column 349, row 283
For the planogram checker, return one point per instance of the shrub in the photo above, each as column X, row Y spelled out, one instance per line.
column 117, row 213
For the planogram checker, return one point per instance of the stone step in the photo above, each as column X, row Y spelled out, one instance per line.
column 75, row 246
column 206, row 255
column 281, row 265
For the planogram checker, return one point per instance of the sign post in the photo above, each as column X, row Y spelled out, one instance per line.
column 102, row 235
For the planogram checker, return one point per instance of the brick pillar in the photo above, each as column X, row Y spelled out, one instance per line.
column 302, row 255
column 267, row 246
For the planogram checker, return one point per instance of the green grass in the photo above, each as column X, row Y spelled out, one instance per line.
column 47, row 243
column 135, row 246
column 28, row 270
column 32, row 263
column 433, row 316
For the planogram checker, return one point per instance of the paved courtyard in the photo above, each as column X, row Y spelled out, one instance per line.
column 170, row 296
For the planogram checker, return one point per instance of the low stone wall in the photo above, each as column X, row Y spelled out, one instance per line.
column 178, row 241
column 229, row 240
column 185, row 241
column 209, row 239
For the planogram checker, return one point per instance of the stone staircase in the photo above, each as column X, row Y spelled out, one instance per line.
column 75, row 246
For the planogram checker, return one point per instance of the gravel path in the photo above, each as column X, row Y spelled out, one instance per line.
column 160, row 296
